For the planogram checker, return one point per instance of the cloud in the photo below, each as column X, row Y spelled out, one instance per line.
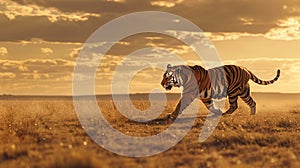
column 12, row 10
column 46, row 51
column 223, row 36
column 41, row 41
column 292, row 9
column 246, row 20
column 7, row 75
column 3, row 51
column 254, row 17
column 32, row 76
column 74, row 53
column 288, row 29
column 41, row 65
column 172, row 48
column 167, row 4
column 117, row 1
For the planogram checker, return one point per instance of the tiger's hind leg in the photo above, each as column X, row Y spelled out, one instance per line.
column 210, row 106
column 246, row 97
column 233, row 104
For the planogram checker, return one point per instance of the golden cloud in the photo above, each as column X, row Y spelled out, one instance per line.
column 74, row 53
column 46, row 51
column 118, row 1
column 12, row 9
column 41, row 41
column 167, row 4
column 288, row 29
column 42, row 65
column 7, row 75
column 246, row 20
column 3, row 51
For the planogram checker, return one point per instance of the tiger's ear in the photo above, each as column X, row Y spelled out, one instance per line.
column 169, row 67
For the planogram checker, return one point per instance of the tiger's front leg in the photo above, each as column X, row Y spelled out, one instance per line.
column 210, row 106
column 175, row 113
column 183, row 103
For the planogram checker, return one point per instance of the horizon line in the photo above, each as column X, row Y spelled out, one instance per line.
column 109, row 94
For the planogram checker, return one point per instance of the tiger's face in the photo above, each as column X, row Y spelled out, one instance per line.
column 171, row 78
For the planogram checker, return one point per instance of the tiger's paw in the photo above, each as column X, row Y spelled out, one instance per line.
column 217, row 113
column 226, row 114
column 212, row 115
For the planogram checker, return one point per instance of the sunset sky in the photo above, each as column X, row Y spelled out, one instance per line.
column 40, row 40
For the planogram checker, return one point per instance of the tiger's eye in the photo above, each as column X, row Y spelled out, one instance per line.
column 169, row 73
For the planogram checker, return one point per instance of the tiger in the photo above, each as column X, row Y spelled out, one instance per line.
column 216, row 83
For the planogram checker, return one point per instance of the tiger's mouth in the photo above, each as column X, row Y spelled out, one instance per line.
column 169, row 87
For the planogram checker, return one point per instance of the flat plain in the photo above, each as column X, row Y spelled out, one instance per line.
column 41, row 131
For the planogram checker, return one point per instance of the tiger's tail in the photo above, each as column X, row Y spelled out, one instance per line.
column 261, row 82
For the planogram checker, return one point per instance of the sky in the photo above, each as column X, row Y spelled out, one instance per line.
column 40, row 42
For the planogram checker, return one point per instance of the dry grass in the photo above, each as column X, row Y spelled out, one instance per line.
column 46, row 133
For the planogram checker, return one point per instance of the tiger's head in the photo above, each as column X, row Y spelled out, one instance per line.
column 172, row 77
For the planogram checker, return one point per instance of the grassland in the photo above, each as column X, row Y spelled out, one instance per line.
column 45, row 132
